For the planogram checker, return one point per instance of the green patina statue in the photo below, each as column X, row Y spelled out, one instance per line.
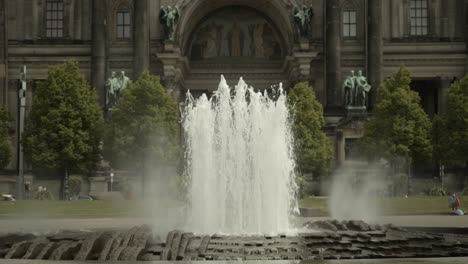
column 302, row 19
column 114, row 87
column 356, row 89
column 168, row 16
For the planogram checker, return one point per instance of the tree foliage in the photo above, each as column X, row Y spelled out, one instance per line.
column 399, row 127
column 64, row 128
column 5, row 150
column 313, row 149
column 143, row 126
column 451, row 135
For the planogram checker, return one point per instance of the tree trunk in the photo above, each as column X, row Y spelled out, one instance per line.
column 409, row 179
column 65, row 187
column 143, row 179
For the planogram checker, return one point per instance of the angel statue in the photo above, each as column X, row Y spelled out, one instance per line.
column 168, row 17
column 302, row 19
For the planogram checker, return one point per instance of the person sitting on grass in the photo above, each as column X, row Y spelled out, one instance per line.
column 454, row 203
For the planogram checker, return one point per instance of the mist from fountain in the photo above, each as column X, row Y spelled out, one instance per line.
column 240, row 162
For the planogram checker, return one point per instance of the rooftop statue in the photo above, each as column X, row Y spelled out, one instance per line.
column 356, row 89
column 168, row 16
column 302, row 19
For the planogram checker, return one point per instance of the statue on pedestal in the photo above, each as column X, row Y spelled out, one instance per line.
column 114, row 87
column 111, row 88
column 302, row 19
column 356, row 89
column 168, row 17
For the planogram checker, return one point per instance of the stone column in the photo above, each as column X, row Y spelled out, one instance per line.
column 466, row 34
column 141, row 53
column 375, row 53
column 3, row 54
column 155, row 28
column 333, row 49
column 98, row 48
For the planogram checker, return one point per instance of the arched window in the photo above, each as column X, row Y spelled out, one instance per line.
column 419, row 18
column 54, row 18
column 123, row 24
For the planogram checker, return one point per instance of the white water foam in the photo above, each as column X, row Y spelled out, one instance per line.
column 240, row 162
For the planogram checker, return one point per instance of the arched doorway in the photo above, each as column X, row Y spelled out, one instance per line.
column 255, row 40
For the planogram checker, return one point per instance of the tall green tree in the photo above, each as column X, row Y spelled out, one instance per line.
column 64, row 129
column 5, row 150
column 312, row 148
column 451, row 144
column 398, row 128
column 143, row 127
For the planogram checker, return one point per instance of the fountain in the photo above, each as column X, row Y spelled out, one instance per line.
column 239, row 161
column 241, row 187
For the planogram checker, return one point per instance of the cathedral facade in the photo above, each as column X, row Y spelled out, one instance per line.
column 258, row 40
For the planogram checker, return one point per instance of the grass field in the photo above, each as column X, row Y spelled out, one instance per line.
column 66, row 209
column 397, row 205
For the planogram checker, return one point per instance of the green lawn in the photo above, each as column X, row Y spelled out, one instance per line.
column 397, row 205
column 68, row 209
column 390, row 206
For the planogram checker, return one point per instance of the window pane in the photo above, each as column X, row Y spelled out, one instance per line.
column 413, row 3
column 413, row 12
column 127, row 18
column 346, row 30
column 127, row 32
column 49, row 33
column 424, row 4
column 60, row 33
column 119, row 32
column 424, row 22
column 424, row 31
column 353, row 17
column 60, row 24
column 119, row 18
column 353, row 32
column 345, row 17
column 60, row 15
column 59, row 6
column 54, row 24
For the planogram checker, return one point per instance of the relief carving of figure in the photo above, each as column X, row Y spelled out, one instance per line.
column 236, row 41
column 258, row 41
column 210, row 40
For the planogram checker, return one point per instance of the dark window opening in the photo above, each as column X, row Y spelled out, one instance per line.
column 349, row 23
column 123, row 25
column 54, row 19
column 419, row 17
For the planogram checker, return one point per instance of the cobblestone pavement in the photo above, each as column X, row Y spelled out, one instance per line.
column 324, row 240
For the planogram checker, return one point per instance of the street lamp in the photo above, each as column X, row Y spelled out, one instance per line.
column 111, row 180
column 21, row 110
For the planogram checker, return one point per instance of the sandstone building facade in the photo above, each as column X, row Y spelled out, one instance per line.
column 257, row 40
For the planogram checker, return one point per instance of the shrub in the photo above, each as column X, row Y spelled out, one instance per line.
column 43, row 194
column 435, row 191
column 400, row 184
column 74, row 185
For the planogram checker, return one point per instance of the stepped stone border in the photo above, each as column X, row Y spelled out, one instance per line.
column 325, row 240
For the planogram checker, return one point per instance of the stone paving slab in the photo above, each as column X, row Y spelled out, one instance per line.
column 319, row 240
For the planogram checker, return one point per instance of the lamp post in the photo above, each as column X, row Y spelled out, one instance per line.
column 111, row 180
column 22, row 107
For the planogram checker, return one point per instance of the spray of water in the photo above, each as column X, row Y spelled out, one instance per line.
column 355, row 191
column 239, row 161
